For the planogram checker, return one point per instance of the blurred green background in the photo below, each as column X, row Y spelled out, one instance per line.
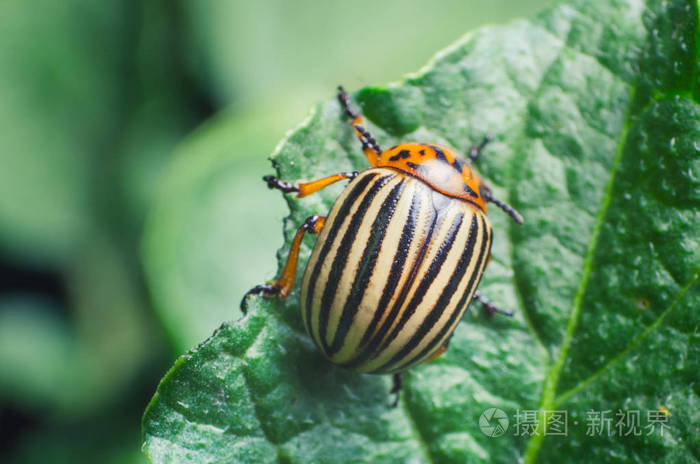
column 114, row 114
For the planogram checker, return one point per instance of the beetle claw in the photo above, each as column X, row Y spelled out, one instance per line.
column 275, row 183
column 265, row 289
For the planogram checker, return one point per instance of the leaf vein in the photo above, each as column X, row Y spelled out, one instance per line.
column 552, row 377
column 633, row 344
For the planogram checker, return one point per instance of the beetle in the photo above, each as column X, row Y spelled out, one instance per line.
column 398, row 258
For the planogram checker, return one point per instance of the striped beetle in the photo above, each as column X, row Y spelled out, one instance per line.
column 398, row 258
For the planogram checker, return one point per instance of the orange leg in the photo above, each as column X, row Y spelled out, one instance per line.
column 282, row 286
column 369, row 145
column 307, row 188
column 439, row 352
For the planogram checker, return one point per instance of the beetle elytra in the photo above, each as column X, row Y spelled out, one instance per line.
column 398, row 258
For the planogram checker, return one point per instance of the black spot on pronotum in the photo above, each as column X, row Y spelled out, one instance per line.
column 469, row 191
column 403, row 154
column 439, row 154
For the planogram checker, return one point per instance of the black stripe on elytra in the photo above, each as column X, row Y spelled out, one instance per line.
column 445, row 297
column 425, row 284
column 397, row 269
column 463, row 303
column 371, row 348
column 341, row 257
column 426, row 281
column 365, row 268
column 403, row 154
column 356, row 190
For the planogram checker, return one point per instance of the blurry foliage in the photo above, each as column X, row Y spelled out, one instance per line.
column 95, row 97
column 60, row 108
column 247, row 51
column 207, row 212
column 87, row 123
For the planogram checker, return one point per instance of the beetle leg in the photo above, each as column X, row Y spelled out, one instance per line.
column 281, row 287
column 490, row 307
column 307, row 188
column 439, row 352
column 475, row 150
column 369, row 145
column 284, row 186
column 397, row 384
column 510, row 211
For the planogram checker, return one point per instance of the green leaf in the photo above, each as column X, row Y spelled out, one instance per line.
column 594, row 109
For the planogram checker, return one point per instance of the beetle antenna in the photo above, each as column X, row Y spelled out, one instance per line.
column 504, row 206
column 475, row 150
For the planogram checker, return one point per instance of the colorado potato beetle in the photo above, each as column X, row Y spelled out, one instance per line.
column 398, row 258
